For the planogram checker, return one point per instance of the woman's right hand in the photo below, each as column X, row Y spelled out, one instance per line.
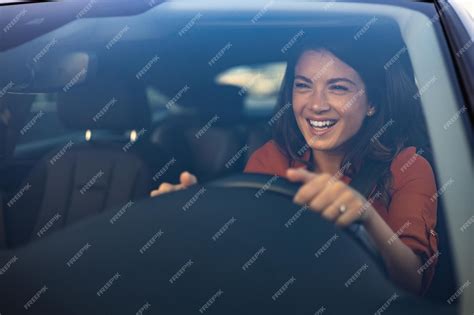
column 186, row 179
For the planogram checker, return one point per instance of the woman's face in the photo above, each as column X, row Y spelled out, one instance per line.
column 329, row 100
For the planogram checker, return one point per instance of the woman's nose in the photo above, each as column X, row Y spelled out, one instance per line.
column 319, row 102
column 318, row 108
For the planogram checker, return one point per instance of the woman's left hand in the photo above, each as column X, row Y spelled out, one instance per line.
column 332, row 198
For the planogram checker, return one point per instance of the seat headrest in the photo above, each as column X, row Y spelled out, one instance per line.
column 115, row 107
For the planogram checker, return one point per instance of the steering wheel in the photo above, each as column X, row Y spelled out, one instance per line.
column 284, row 187
column 236, row 245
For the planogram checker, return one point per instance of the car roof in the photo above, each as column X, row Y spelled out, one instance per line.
column 43, row 17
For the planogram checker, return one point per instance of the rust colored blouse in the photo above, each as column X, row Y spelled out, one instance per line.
column 412, row 210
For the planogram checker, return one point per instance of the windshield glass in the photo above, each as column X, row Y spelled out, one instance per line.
column 133, row 100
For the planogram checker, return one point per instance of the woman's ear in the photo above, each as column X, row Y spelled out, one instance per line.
column 371, row 111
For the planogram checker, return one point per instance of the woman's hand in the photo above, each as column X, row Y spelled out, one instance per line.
column 338, row 202
column 333, row 199
column 186, row 179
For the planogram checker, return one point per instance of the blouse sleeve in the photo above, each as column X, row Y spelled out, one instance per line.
column 412, row 210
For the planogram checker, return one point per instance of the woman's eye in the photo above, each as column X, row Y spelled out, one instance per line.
column 339, row 88
column 300, row 85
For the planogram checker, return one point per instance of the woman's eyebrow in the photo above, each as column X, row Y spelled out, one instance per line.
column 334, row 80
column 302, row 77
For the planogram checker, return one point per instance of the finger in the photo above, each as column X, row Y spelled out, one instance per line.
column 299, row 175
column 154, row 193
column 309, row 190
column 187, row 179
column 163, row 188
column 353, row 214
column 332, row 212
column 329, row 193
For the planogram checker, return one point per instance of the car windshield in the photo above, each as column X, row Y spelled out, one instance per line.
column 186, row 86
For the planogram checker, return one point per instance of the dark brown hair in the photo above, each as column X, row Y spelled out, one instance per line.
column 390, row 88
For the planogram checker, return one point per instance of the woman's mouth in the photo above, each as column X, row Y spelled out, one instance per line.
column 321, row 127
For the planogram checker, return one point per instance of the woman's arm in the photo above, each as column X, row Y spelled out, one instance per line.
column 401, row 262
column 326, row 194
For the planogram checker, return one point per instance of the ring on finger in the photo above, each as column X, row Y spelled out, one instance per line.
column 342, row 208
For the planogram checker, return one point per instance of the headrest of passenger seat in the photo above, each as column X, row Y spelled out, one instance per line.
column 105, row 106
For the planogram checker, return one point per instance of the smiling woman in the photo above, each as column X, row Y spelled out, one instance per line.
column 344, row 105
column 345, row 100
column 348, row 112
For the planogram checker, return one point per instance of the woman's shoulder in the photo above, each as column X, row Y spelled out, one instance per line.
column 267, row 159
column 269, row 148
column 410, row 165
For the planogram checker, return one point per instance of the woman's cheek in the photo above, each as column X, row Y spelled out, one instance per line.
column 354, row 119
column 298, row 117
column 298, row 106
column 297, row 100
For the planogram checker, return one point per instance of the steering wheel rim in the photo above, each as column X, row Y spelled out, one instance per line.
column 282, row 186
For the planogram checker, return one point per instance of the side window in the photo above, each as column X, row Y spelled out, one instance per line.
column 259, row 85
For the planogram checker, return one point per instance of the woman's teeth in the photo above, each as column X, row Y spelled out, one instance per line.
column 322, row 124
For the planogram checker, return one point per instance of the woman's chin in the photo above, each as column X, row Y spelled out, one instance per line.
column 324, row 145
column 319, row 145
column 329, row 144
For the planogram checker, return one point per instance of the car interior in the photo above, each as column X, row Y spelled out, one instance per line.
column 178, row 116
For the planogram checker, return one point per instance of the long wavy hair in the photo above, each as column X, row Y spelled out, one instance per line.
column 390, row 88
